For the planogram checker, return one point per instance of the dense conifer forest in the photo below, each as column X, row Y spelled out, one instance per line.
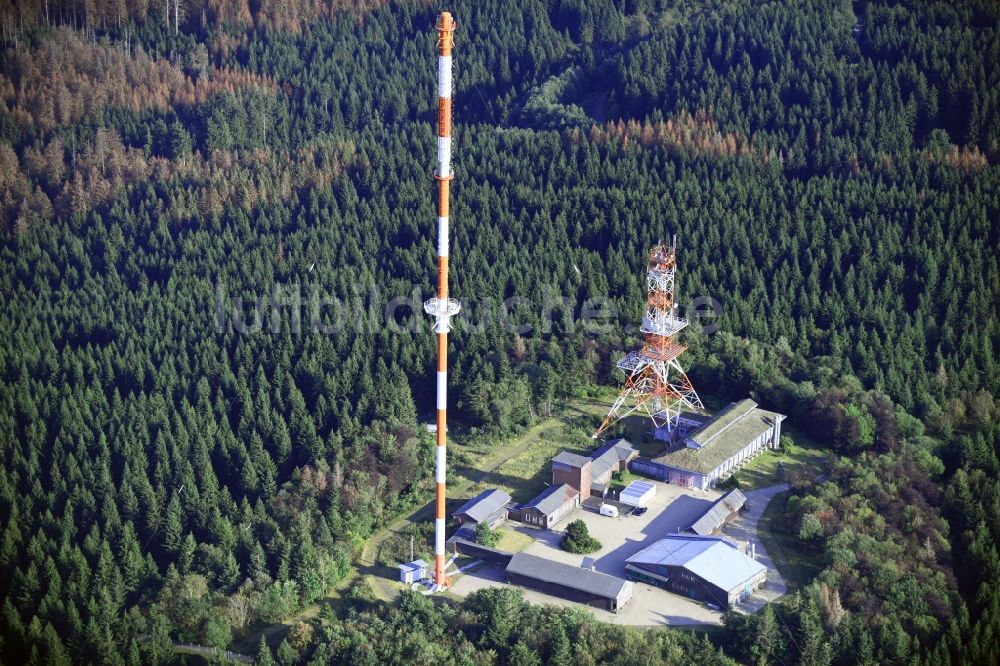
column 178, row 467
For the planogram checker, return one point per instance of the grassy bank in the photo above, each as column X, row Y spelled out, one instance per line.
column 778, row 534
column 775, row 466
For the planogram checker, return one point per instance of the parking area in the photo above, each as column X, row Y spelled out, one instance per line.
column 671, row 509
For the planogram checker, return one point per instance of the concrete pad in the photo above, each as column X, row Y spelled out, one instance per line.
column 672, row 509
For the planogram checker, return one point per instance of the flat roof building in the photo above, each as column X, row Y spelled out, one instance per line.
column 710, row 569
column 638, row 493
column 568, row 582
column 717, row 447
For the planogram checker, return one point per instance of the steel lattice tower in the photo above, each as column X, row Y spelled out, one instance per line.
column 656, row 385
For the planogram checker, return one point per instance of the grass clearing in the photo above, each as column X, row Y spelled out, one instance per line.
column 778, row 535
column 773, row 466
column 513, row 540
column 622, row 479
column 526, row 474
column 525, row 470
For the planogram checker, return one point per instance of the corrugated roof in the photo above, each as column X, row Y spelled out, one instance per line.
column 552, row 498
column 738, row 429
column 713, row 559
column 484, row 505
column 620, row 448
column 465, row 532
column 717, row 514
column 571, row 459
column 566, row 575
column 415, row 565
column 734, row 499
column 711, row 519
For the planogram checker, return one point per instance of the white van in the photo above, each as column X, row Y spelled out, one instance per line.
column 609, row 510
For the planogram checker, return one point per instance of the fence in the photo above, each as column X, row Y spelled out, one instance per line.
column 212, row 652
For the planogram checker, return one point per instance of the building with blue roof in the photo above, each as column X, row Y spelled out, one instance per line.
column 710, row 569
column 638, row 493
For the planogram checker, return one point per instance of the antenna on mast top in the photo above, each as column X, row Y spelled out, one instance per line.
column 656, row 384
column 441, row 307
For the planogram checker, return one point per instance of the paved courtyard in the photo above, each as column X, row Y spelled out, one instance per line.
column 673, row 508
column 744, row 528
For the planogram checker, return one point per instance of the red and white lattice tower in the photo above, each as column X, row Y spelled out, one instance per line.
column 655, row 384
column 441, row 307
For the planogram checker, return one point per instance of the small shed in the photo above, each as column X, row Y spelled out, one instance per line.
column 638, row 493
column 551, row 506
column 723, row 510
column 411, row 572
column 489, row 506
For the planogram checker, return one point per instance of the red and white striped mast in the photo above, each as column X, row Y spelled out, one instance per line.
column 441, row 307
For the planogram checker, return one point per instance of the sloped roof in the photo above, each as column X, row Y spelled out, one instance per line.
column 566, row 575
column 734, row 499
column 709, row 521
column 717, row 514
column 727, row 433
column 697, row 418
column 484, row 505
column 620, row 448
column 722, row 421
column 571, row 459
column 465, row 532
column 552, row 498
column 713, row 559
column 415, row 565
column 609, row 455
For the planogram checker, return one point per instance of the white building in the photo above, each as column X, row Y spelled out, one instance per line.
column 711, row 569
column 412, row 572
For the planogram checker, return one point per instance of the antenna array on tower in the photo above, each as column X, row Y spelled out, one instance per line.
column 441, row 307
column 655, row 384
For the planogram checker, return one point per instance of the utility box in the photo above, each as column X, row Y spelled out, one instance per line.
column 412, row 572
column 609, row 510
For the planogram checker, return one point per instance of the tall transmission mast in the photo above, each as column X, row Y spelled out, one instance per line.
column 655, row 384
column 441, row 307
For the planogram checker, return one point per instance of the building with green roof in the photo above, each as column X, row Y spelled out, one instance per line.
column 715, row 448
